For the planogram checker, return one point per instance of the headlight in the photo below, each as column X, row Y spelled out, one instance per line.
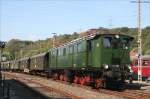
column 117, row 36
column 105, row 66
column 126, row 47
column 131, row 71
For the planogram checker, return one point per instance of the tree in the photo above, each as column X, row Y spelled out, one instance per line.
column 124, row 29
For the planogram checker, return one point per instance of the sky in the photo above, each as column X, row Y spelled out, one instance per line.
column 38, row 19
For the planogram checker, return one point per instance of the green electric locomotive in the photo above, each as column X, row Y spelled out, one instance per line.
column 101, row 59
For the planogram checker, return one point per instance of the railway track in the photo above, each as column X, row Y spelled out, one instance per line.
column 49, row 89
column 129, row 94
column 126, row 94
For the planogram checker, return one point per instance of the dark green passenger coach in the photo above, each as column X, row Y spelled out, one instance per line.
column 39, row 63
column 23, row 64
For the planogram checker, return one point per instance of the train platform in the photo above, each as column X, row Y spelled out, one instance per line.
column 45, row 86
column 12, row 89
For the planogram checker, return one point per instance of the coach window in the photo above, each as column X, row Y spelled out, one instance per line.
column 35, row 60
column 106, row 42
column 145, row 62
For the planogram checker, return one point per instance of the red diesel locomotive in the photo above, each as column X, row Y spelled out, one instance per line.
column 145, row 67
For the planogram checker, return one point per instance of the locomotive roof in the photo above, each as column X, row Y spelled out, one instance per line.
column 143, row 57
column 25, row 58
column 42, row 54
column 5, row 62
column 89, row 37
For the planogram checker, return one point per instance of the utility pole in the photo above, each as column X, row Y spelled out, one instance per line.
column 54, row 39
column 15, row 55
column 31, row 45
column 21, row 53
column 139, row 42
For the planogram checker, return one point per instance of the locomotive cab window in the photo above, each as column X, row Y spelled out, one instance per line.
column 145, row 62
column 106, row 42
column 116, row 43
column 125, row 43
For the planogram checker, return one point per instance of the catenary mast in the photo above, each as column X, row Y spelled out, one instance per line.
column 139, row 42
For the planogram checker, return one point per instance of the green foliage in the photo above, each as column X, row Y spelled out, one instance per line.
column 16, row 48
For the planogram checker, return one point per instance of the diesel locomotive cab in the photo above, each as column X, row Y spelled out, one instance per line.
column 116, row 56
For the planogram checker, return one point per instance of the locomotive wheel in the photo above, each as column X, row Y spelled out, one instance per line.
column 98, row 83
column 75, row 80
column 61, row 77
column 87, row 78
column 55, row 76
column 65, row 78
column 82, row 81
